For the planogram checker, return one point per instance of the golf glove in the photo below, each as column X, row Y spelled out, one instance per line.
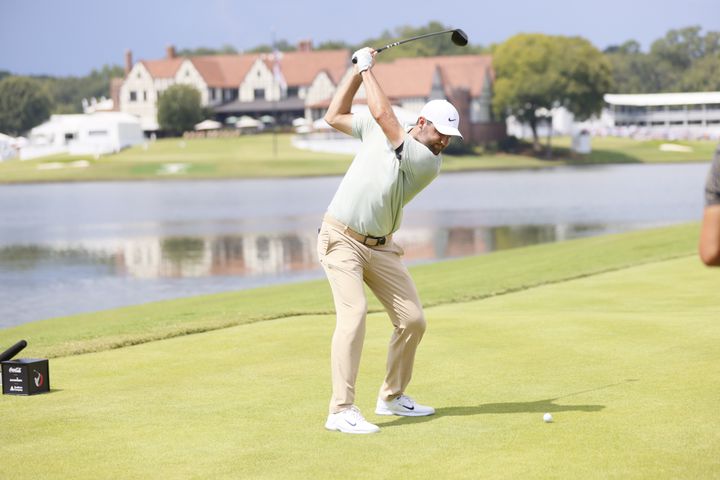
column 363, row 59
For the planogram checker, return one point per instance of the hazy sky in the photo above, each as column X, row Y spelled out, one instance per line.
column 72, row 37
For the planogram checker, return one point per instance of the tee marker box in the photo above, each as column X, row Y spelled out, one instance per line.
column 25, row 376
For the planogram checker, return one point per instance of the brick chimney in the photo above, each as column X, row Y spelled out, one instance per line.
column 128, row 61
column 170, row 51
column 461, row 99
column 115, row 84
column 305, row 45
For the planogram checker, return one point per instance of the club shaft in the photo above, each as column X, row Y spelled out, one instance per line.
column 12, row 351
column 395, row 44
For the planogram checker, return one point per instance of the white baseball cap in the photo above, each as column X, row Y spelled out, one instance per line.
column 443, row 116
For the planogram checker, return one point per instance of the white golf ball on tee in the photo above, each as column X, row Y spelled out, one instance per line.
column 547, row 418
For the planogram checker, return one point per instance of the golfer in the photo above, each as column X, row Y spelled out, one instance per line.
column 710, row 233
column 355, row 243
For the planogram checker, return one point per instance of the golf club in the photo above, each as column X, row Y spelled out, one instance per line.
column 458, row 37
column 12, row 351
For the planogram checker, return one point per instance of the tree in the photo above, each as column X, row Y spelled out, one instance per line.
column 678, row 54
column 680, row 47
column 536, row 73
column 199, row 51
column 67, row 92
column 281, row 45
column 427, row 47
column 682, row 60
column 24, row 104
column 179, row 109
column 334, row 45
column 703, row 76
column 634, row 71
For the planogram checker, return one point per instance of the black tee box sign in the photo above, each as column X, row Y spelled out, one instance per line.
column 25, row 376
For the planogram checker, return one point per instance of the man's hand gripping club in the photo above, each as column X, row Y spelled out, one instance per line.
column 364, row 59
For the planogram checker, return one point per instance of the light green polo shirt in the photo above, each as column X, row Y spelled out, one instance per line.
column 376, row 187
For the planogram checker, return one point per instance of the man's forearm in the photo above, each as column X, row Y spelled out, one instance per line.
column 381, row 109
column 377, row 101
column 341, row 102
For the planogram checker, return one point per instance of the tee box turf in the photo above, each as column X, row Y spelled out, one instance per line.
column 25, row 376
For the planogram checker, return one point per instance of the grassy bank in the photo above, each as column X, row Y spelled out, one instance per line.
column 267, row 156
column 615, row 336
column 439, row 283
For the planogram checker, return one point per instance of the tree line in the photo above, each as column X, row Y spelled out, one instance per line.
column 533, row 72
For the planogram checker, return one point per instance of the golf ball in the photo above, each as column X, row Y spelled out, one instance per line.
column 547, row 418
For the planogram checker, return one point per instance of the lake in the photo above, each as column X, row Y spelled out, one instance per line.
column 81, row 247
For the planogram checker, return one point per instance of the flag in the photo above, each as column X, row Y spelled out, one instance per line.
column 277, row 72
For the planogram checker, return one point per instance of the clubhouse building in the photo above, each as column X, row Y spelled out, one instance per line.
column 290, row 86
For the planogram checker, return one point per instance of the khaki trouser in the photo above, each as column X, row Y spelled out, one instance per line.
column 348, row 264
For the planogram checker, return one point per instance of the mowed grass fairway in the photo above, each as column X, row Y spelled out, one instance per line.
column 253, row 156
column 619, row 344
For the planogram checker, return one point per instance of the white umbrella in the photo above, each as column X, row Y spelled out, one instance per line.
column 247, row 122
column 321, row 124
column 267, row 119
column 208, row 125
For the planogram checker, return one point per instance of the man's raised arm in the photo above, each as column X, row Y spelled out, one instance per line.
column 338, row 113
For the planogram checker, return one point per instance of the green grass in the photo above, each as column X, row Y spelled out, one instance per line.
column 623, row 150
column 255, row 156
column 242, row 157
column 616, row 338
column 439, row 283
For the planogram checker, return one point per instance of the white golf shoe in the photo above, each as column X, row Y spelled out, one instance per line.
column 403, row 406
column 350, row 421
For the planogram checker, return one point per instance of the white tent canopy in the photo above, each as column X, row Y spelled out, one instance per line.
column 208, row 125
column 248, row 122
column 83, row 134
column 7, row 147
column 300, row 122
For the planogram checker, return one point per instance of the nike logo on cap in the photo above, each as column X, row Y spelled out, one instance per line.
column 452, row 119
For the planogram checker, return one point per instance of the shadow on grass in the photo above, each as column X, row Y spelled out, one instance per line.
column 538, row 406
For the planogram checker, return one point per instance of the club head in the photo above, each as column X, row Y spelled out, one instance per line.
column 459, row 37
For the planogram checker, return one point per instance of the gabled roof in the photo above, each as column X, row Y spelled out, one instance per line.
column 301, row 67
column 402, row 78
column 405, row 79
column 229, row 71
column 458, row 71
column 225, row 71
column 413, row 76
column 165, row 68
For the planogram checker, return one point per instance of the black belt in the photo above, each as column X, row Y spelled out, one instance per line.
column 367, row 240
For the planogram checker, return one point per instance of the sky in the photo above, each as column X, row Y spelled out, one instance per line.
column 73, row 37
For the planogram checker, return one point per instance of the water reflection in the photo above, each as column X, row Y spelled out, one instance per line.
column 72, row 248
column 266, row 254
